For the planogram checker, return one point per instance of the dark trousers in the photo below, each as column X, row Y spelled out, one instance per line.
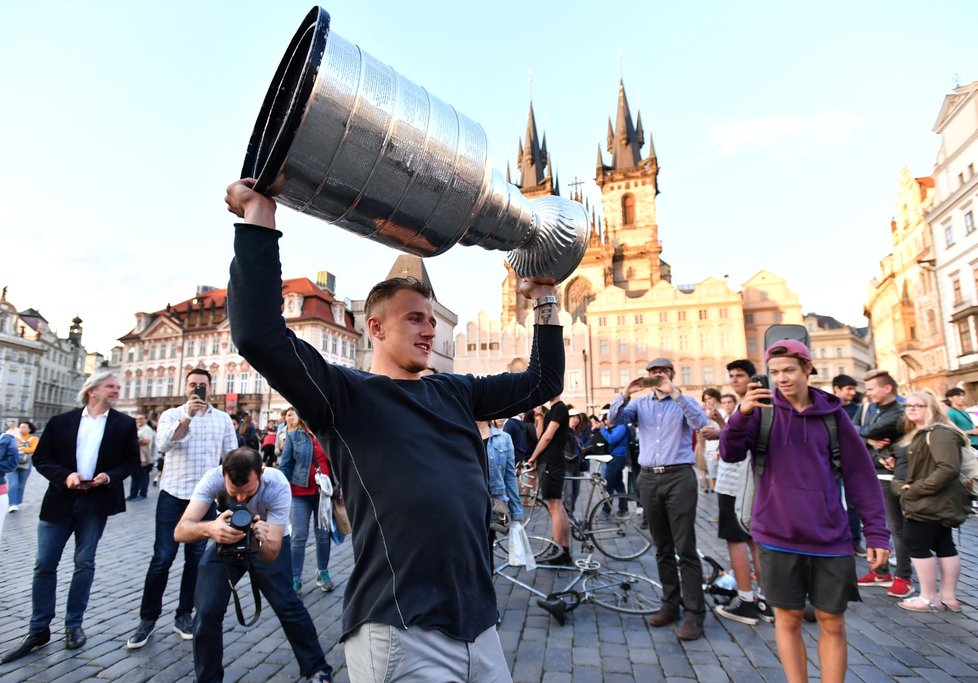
column 140, row 481
column 614, row 474
column 169, row 509
column 274, row 581
column 894, row 520
column 572, row 487
column 669, row 500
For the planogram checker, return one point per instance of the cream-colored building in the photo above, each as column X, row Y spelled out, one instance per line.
column 620, row 308
column 902, row 303
column 838, row 349
column 20, row 360
column 61, row 370
column 952, row 220
column 164, row 346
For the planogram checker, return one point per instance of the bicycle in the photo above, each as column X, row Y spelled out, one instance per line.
column 618, row 591
column 613, row 523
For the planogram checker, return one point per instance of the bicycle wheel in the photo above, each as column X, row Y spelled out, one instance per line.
column 536, row 521
column 623, row 592
column 615, row 527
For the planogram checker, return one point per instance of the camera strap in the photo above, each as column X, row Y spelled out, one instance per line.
column 237, row 602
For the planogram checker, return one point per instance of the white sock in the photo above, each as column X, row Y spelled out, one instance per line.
column 746, row 596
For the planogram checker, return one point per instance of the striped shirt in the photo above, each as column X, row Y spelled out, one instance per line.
column 209, row 436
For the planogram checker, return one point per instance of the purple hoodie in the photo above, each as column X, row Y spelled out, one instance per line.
column 797, row 506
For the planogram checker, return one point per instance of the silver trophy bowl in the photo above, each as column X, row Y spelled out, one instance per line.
column 344, row 137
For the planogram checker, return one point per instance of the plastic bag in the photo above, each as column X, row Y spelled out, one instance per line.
column 520, row 554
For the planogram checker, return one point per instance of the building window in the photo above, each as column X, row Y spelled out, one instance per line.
column 931, row 323
column 708, row 375
column 137, row 387
column 964, row 334
column 704, row 313
column 949, row 233
column 169, row 385
column 624, row 376
column 573, row 380
column 838, row 352
column 243, row 382
column 969, row 222
column 706, row 342
column 841, row 370
column 956, row 290
column 666, row 342
column 639, row 346
column 686, row 375
column 628, row 209
column 603, row 347
column 333, row 343
column 202, row 347
column 126, row 389
column 748, row 318
column 622, row 346
column 152, row 351
column 468, row 347
column 723, row 313
column 621, row 320
column 639, row 319
column 215, row 346
column 680, row 315
column 664, row 317
column 751, row 346
column 602, row 321
column 229, row 384
column 188, row 349
column 605, row 378
column 684, row 345
column 159, row 386
column 724, row 339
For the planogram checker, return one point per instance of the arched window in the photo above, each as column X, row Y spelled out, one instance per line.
column 628, row 209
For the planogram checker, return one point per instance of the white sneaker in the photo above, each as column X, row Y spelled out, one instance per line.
column 13, row 508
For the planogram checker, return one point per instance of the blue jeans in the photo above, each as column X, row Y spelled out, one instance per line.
column 16, row 481
column 87, row 526
column 304, row 507
column 169, row 509
column 274, row 581
column 614, row 474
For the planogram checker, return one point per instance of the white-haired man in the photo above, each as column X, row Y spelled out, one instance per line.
column 85, row 454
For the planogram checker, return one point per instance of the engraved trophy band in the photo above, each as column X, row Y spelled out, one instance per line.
column 343, row 137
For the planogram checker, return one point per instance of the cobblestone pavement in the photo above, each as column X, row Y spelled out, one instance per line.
column 885, row 643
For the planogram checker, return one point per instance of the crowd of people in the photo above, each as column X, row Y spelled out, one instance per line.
column 804, row 481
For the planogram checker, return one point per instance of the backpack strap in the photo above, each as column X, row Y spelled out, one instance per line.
column 834, row 451
column 763, row 438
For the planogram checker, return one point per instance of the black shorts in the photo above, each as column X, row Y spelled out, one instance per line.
column 728, row 528
column 923, row 537
column 829, row 583
column 552, row 481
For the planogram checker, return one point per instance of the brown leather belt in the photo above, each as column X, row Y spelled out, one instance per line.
column 666, row 468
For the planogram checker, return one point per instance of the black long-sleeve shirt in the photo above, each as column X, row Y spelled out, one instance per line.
column 410, row 460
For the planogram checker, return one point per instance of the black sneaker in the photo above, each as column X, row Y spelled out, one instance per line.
column 738, row 610
column 184, row 625
column 142, row 634
column 764, row 611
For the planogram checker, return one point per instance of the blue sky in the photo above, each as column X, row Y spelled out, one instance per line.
column 780, row 129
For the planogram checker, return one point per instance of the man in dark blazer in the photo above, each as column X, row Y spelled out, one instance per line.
column 85, row 454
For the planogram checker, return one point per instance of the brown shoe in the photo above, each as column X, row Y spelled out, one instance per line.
column 664, row 616
column 690, row 629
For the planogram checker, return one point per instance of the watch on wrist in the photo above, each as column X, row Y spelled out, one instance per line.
column 544, row 300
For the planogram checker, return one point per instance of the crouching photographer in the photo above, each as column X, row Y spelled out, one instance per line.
column 242, row 484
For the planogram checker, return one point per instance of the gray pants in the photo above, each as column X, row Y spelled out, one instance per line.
column 378, row 653
column 894, row 520
column 669, row 500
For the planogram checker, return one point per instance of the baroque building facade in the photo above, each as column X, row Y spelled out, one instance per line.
column 838, row 349
column 619, row 307
column 164, row 346
column 902, row 303
column 61, row 371
column 952, row 220
column 20, row 360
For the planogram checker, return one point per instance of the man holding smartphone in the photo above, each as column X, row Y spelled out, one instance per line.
column 667, row 488
column 194, row 437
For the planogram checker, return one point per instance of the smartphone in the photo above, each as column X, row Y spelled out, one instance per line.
column 765, row 383
column 200, row 392
column 86, row 483
column 650, row 382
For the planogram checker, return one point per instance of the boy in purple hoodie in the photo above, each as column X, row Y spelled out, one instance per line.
column 798, row 519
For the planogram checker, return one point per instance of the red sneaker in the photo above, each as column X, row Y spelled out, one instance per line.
column 901, row 588
column 874, row 579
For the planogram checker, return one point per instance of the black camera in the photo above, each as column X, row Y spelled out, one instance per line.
column 241, row 520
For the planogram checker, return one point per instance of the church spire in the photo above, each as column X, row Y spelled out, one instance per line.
column 532, row 162
column 624, row 141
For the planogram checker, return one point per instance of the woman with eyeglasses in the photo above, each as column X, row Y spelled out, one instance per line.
column 933, row 502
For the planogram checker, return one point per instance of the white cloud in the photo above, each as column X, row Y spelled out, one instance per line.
column 781, row 136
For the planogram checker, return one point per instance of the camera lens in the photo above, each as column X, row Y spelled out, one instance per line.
column 240, row 519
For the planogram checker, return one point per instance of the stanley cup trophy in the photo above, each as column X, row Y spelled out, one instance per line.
column 343, row 137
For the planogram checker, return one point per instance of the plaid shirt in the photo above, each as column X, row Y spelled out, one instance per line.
column 209, row 436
